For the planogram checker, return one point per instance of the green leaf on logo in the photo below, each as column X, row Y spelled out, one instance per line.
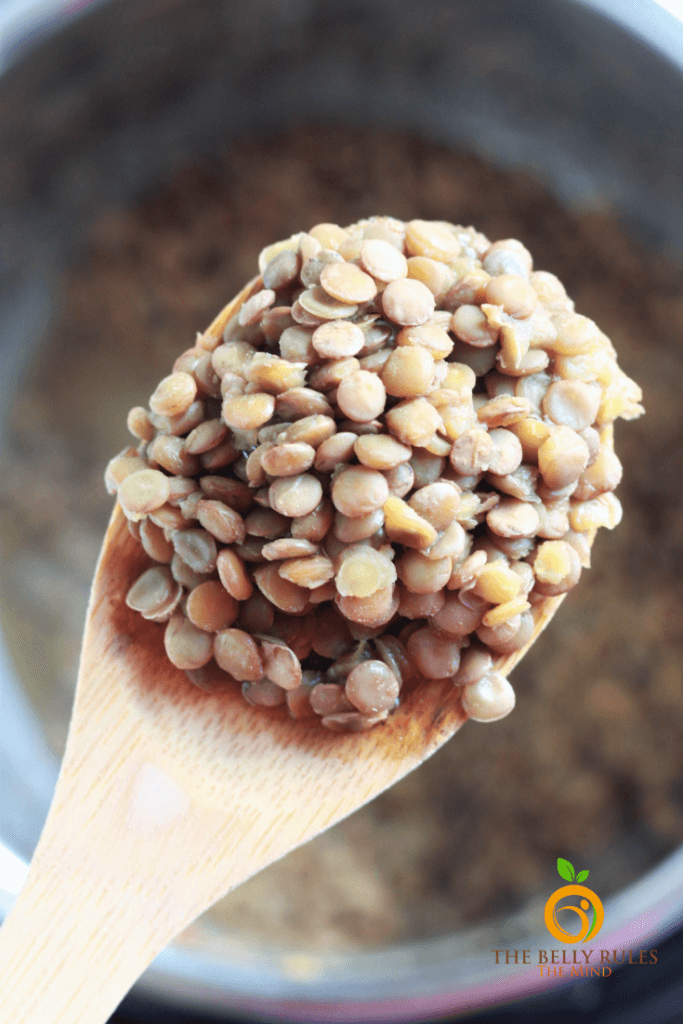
column 582, row 876
column 565, row 869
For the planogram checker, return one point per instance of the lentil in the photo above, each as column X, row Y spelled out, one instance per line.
column 349, row 531
column 210, row 607
column 363, row 572
column 142, row 492
column 174, row 395
column 383, row 260
column 186, row 646
column 293, row 441
column 295, row 496
column 489, row 699
column 372, row 687
column 358, row 491
column 408, row 302
column 233, row 575
column 408, row 371
column 361, row 396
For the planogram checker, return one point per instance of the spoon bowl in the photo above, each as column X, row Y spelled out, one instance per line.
column 169, row 797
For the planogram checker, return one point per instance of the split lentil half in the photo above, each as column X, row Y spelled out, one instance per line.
column 399, row 448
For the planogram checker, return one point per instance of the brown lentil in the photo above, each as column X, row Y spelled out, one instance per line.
column 153, row 593
column 475, row 663
column 237, row 653
column 210, row 607
column 197, row 548
column 233, row 575
column 329, row 699
column 256, row 614
column 436, row 655
column 264, row 694
column 186, row 646
column 422, row 575
column 375, row 610
column 154, row 541
column 455, row 618
column 420, row 606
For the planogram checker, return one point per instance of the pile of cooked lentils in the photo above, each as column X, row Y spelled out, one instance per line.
column 398, row 448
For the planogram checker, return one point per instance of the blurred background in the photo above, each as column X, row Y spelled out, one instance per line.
column 150, row 149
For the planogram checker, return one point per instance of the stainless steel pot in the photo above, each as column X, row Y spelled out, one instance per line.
column 99, row 98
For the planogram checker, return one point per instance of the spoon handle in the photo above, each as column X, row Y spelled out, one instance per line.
column 103, row 895
column 128, row 858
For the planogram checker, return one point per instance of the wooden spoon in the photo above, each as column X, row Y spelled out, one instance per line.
column 169, row 797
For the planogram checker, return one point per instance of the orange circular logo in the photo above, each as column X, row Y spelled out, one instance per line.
column 589, row 899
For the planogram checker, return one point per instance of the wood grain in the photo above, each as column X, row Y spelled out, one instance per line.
column 169, row 797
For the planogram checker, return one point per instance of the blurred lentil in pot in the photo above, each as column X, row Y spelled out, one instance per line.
column 593, row 767
column 500, row 543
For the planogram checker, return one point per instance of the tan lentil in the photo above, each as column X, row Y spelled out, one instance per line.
column 429, row 336
column 363, row 572
column 142, row 492
column 308, row 572
column 358, row 490
column 295, row 496
column 414, row 422
column 434, row 239
column 489, row 699
column 382, row 260
column 174, row 395
column 408, row 302
column 372, row 687
column 470, row 325
column 408, row 372
column 400, row 479
column 361, row 396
